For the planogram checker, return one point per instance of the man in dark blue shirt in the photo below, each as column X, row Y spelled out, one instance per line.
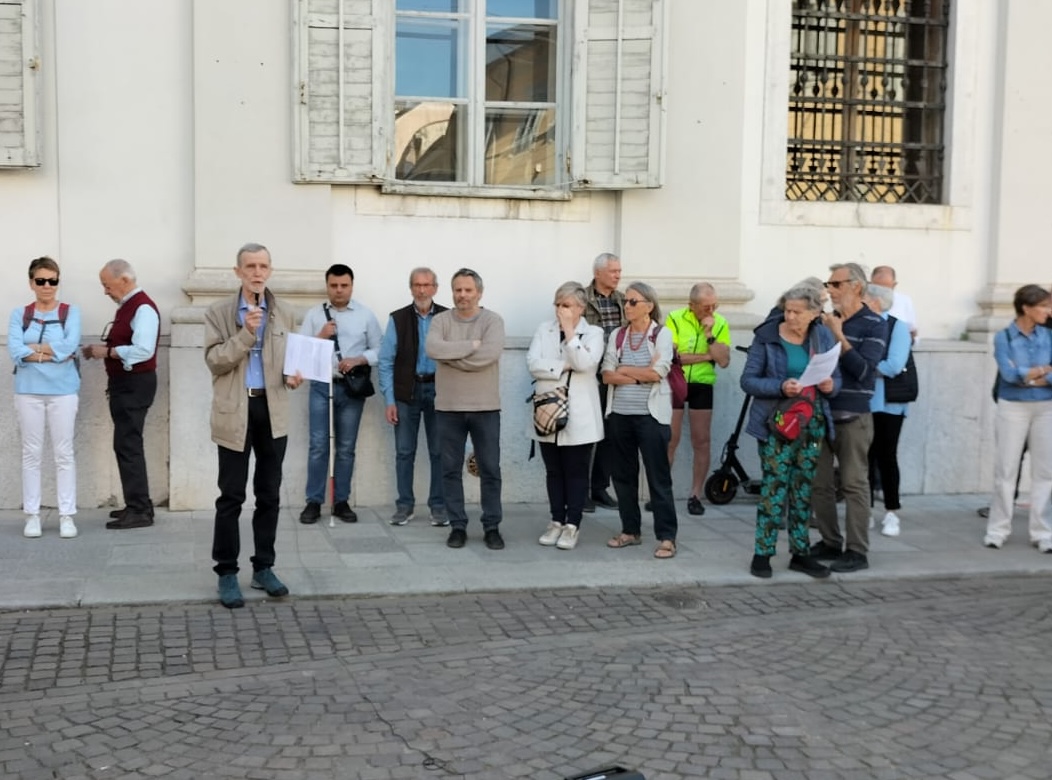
column 862, row 335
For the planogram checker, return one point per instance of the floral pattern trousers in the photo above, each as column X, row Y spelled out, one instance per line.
column 785, row 493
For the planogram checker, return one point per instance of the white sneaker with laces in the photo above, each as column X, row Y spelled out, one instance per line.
column 67, row 529
column 568, row 538
column 890, row 524
column 32, row 529
column 552, row 534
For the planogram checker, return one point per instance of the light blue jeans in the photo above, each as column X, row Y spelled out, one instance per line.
column 347, row 415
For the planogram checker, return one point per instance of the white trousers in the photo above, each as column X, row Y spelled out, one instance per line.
column 57, row 413
column 1016, row 423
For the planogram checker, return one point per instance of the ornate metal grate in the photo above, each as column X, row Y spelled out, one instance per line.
column 867, row 98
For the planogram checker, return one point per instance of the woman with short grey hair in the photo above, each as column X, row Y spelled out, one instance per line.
column 639, row 410
column 567, row 351
column 888, row 416
column 780, row 351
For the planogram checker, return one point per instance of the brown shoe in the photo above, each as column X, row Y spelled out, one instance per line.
column 130, row 520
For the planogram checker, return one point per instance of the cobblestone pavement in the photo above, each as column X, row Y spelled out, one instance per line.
column 824, row 680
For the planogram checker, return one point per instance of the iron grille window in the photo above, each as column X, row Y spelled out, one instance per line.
column 867, row 98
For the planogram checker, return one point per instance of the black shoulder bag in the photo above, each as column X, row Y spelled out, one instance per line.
column 904, row 387
column 357, row 382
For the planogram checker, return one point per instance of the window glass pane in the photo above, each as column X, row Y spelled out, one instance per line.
column 520, row 146
column 436, row 6
column 520, row 63
column 523, row 9
column 429, row 141
column 427, row 61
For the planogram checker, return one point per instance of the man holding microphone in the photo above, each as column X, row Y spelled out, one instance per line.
column 245, row 352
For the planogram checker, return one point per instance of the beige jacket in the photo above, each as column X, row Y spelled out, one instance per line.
column 227, row 345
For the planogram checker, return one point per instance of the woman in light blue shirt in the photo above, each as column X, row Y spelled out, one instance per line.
column 1024, row 417
column 42, row 339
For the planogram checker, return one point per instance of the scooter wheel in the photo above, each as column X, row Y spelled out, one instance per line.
column 721, row 488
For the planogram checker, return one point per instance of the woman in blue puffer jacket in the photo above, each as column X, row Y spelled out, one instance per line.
column 780, row 351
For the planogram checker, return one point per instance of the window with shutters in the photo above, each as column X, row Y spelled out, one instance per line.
column 867, row 99
column 18, row 69
column 490, row 98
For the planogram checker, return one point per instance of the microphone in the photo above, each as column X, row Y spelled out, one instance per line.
column 257, row 299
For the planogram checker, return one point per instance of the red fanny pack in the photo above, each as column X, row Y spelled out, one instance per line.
column 791, row 416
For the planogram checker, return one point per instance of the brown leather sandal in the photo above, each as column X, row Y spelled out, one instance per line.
column 624, row 540
column 666, row 549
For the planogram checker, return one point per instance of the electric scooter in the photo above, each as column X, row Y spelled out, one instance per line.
column 722, row 485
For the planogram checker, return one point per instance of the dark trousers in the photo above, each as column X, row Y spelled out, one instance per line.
column 130, row 397
column 635, row 436
column 566, row 475
column 266, row 484
column 883, row 456
column 602, row 452
column 453, row 431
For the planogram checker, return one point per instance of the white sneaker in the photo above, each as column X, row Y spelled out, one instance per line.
column 1043, row 545
column 32, row 529
column 551, row 535
column 890, row 524
column 67, row 529
column 568, row 538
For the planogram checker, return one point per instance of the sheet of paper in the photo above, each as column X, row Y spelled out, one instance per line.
column 820, row 366
column 310, row 356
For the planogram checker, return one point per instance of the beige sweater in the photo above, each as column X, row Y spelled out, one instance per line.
column 467, row 378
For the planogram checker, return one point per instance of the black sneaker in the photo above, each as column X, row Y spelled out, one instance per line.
column 821, row 551
column 342, row 510
column 694, row 506
column 604, row 499
column 805, row 564
column 493, row 539
column 310, row 513
column 458, row 537
column 849, row 561
column 760, row 566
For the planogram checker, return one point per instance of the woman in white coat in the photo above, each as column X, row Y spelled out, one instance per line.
column 567, row 350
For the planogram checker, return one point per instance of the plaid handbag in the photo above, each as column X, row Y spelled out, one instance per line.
column 551, row 410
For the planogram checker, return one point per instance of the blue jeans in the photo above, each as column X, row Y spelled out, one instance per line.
column 406, row 436
column 453, row 430
column 635, row 436
column 347, row 415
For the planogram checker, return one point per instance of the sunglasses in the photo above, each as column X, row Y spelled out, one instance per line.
column 837, row 284
column 42, row 282
column 634, row 301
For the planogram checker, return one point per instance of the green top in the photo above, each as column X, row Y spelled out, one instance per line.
column 689, row 337
column 797, row 357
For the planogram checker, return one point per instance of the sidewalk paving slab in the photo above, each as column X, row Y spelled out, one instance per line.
column 171, row 561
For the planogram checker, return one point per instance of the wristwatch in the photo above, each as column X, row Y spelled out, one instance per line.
column 711, row 340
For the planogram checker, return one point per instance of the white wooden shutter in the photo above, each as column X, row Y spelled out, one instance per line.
column 340, row 82
column 618, row 86
column 19, row 145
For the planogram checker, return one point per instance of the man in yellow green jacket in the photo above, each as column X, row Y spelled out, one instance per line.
column 703, row 340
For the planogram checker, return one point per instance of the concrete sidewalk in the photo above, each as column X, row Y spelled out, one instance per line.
column 171, row 561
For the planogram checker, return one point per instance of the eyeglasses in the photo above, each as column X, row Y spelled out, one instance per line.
column 837, row 284
column 105, row 336
column 634, row 301
column 40, row 282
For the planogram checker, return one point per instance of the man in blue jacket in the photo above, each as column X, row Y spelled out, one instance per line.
column 862, row 335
